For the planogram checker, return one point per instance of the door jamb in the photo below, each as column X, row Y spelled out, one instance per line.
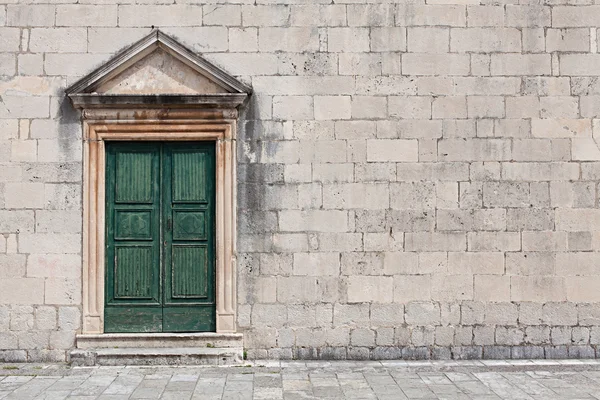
column 197, row 125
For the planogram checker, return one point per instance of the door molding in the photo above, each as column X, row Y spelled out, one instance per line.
column 104, row 125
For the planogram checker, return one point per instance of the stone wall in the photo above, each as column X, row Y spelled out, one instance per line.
column 415, row 180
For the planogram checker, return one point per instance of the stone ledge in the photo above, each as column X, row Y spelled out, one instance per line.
column 160, row 340
column 157, row 356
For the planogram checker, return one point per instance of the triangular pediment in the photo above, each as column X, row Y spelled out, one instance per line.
column 157, row 68
column 160, row 73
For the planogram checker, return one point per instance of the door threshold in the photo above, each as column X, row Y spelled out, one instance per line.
column 160, row 340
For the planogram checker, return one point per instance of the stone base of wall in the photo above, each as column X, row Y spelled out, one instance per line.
column 21, row 356
column 428, row 353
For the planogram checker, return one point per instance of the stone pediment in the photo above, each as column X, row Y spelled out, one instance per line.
column 157, row 71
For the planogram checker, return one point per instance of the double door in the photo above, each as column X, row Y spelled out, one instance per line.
column 160, row 237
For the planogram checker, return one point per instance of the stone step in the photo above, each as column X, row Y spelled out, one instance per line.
column 158, row 356
column 160, row 340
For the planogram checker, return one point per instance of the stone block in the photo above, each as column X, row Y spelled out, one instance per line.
column 480, row 40
column 422, row 313
column 423, row 15
column 388, row 39
column 559, row 314
column 538, row 288
column 316, row 264
column 348, row 40
column 484, row 335
column 86, row 15
column 22, row 291
column 467, row 353
column 496, row 352
column 435, row 64
column 362, row 337
column 409, row 288
column 313, row 220
column 385, row 150
column 491, row 288
column 501, row 314
column 370, row 288
column 509, row 336
column 57, row 40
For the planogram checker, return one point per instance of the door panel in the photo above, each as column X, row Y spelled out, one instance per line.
column 160, row 263
column 190, row 264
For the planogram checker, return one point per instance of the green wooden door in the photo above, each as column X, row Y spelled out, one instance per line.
column 160, row 242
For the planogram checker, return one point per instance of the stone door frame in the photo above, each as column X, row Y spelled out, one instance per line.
column 100, row 126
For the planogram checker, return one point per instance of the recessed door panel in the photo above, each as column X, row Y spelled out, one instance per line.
column 160, row 237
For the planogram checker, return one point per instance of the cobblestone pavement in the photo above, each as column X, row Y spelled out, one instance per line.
column 484, row 380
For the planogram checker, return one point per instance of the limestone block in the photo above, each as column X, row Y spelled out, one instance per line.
column 385, row 85
column 425, row 241
column 354, row 129
column 484, row 335
column 362, row 64
column 10, row 39
column 306, row 289
column 494, row 241
column 413, row 195
column 332, row 107
column 410, row 107
column 370, row 15
column 368, row 107
column 313, row 220
column 316, row 264
column 304, row 85
column 69, row 318
column 16, row 221
column 428, row 39
column 159, row 15
column 331, row 173
column 444, row 335
column 422, row 336
column 485, row 15
column 589, row 314
column 62, row 340
column 362, row 263
column 335, row 241
column 386, row 315
column 22, row 291
column 34, row 340
column 30, row 15
column 355, row 315
column 348, row 39
column 509, row 336
column 446, row 288
column 501, row 314
column 580, row 288
column 12, row 265
column 575, row 16
column 398, row 150
column 110, row 40
column 480, row 40
column 292, row 107
column 409, row 288
column 324, row 151
column 86, row 15
column 62, row 291
column 21, row 318
column 491, row 288
column 474, row 149
column 538, row 288
column 58, row 40
column 530, row 263
column 243, row 39
column 450, row 107
column 559, row 314
column 45, row 318
column 544, row 241
column 420, row 14
column 270, row 315
column 560, row 335
column 362, row 337
column 388, row 39
column 370, row 288
column 49, row 243
column 435, row 64
column 318, row 15
column 422, row 313
column 199, row 39
column 264, row 15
